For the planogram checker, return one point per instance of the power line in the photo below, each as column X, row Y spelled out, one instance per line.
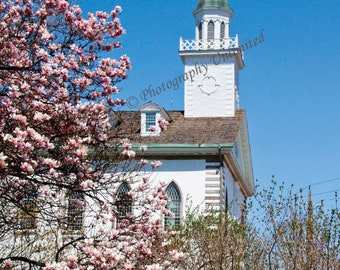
column 326, row 192
column 328, row 199
column 322, row 182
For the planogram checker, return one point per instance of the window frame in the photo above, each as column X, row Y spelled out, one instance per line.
column 200, row 31
column 222, row 30
column 211, row 31
column 75, row 211
column 28, row 214
column 123, row 202
column 175, row 203
column 150, row 123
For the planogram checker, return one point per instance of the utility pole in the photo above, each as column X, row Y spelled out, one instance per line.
column 309, row 264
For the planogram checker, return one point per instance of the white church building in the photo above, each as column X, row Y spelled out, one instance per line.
column 205, row 149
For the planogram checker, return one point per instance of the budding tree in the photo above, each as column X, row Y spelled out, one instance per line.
column 211, row 240
column 289, row 231
column 60, row 157
column 282, row 230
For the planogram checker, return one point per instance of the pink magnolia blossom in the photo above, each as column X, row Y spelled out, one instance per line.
column 51, row 162
column 154, row 267
column 176, row 255
column 45, row 191
column 143, row 148
column 86, row 184
column 8, row 264
column 129, row 153
column 125, row 141
column 81, row 152
column 143, row 162
column 163, row 124
column 127, row 145
column 155, row 164
column 72, row 262
column 26, row 167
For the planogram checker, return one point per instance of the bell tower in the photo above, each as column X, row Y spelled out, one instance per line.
column 211, row 63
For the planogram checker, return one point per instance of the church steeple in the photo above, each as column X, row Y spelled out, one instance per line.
column 211, row 63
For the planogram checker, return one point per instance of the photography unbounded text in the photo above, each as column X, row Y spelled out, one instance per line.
column 151, row 91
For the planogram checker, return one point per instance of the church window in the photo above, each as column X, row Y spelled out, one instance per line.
column 123, row 202
column 174, row 206
column 28, row 218
column 75, row 211
column 211, row 30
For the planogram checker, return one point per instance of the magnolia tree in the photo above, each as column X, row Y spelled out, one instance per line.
column 60, row 158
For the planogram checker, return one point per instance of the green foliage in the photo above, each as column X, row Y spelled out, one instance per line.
column 211, row 240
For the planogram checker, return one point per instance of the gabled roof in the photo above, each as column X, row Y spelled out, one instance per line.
column 181, row 130
column 153, row 107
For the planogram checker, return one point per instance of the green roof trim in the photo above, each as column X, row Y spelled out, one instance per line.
column 166, row 149
column 222, row 5
column 188, row 145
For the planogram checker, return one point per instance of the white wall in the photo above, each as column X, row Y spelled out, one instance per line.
column 235, row 196
column 189, row 175
column 211, row 93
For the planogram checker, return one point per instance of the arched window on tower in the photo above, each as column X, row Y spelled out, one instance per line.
column 174, row 206
column 222, row 30
column 123, row 202
column 200, row 31
column 211, row 33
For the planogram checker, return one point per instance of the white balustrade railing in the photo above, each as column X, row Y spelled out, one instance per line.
column 208, row 44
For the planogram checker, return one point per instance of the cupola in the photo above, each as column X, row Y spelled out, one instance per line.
column 221, row 5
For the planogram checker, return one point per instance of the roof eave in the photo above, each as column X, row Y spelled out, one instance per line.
column 184, row 149
column 228, row 11
column 247, row 188
column 231, row 52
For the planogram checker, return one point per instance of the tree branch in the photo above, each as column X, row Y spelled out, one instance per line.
column 68, row 244
column 23, row 259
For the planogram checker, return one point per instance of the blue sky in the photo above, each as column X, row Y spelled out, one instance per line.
column 290, row 86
